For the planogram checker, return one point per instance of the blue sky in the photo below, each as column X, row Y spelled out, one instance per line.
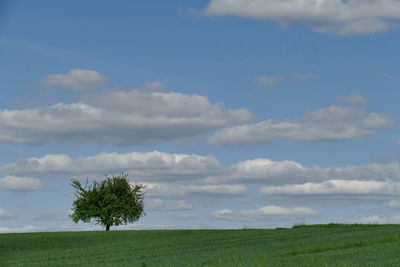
column 236, row 114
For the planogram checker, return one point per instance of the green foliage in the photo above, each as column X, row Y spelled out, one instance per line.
column 343, row 245
column 113, row 201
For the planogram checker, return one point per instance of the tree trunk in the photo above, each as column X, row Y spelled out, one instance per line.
column 108, row 227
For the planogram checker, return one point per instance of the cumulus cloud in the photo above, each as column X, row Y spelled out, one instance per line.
column 325, row 16
column 164, row 205
column 177, row 190
column 266, row 168
column 123, row 117
column 149, row 165
column 270, row 212
column 335, row 187
column 269, row 80
column 75, row 79
column 23, row 184
column 354, row 98
column 4, row 214
column 330, row 124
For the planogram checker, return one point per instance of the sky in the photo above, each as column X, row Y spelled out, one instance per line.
column 234, row 113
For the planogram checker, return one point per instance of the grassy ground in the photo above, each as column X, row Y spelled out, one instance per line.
column 318, row 245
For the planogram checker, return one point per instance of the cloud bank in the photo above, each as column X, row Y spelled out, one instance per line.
column 329, row 124
column 122, row 118
column 154, row 165
column 174, row 181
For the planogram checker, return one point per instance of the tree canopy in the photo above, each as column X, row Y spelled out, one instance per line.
column 113, row 201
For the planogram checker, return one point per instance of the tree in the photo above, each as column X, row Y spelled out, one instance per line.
column 113, row 201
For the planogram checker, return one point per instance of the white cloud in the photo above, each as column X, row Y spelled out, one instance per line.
column 167, row 205
column 325, row 16
column 375, row 219
column 354, row 98
column 28, row 228
column 144, row 166
column 4, row 214
column 335, row 187
column 330, row 124
column 263, row 213
column 269, row 80
column 177, row 190
column 23, row 184
column 395, row 204
column 261, row 166
column 166, row 167
column 133, row 117
column 362, row 26
column 375, row 171
column 266, row 171
column 76, row 79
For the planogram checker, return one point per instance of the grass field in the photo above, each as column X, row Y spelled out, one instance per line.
column 318, row 245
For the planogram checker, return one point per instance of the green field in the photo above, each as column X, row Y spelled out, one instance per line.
column 318, row 245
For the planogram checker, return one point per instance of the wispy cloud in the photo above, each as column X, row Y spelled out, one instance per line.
column 167, row 205
column 395, row 204
column 23, row 184
column 266, row 212
column 4, row 214
column 174, row 190
column 270, row 80
column 336, row 187
column 28, row 228
column 267, row 81
column 354, row 98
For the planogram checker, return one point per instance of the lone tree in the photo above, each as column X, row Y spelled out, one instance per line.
column 113, row 201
